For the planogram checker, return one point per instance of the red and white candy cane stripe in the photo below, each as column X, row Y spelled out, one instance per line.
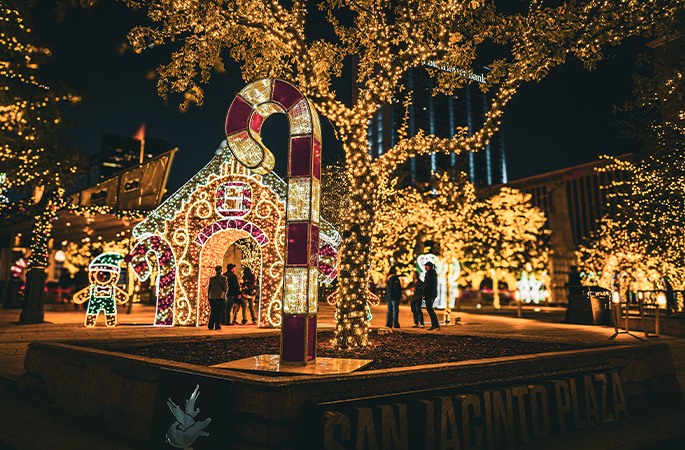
column 166, row 282
column 244, row 120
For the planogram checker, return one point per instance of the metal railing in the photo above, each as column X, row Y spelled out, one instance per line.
column 656, row 303
column 674, row 303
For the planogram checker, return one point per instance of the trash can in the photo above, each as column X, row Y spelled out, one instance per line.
column 591, row 307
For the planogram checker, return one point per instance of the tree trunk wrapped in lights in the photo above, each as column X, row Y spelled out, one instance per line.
column 389, row 38
column 351, row 328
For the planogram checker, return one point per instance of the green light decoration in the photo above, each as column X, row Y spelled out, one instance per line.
column 103, row 293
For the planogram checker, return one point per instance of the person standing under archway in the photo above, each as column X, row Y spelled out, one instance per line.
column 248, row 290
column 430, row 293
column 216, row 293
column 231, row 294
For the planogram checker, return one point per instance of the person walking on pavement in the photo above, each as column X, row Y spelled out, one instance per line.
column 216, row 293
column 430, row 293
column 416, row 301
column 393, row 294
column 232, row 293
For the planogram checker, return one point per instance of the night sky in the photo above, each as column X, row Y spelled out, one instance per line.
column 564, row 120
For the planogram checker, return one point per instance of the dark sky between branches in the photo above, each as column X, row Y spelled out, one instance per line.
column 564, row 120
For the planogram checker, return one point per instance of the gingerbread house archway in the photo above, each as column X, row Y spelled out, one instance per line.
column 191, row 230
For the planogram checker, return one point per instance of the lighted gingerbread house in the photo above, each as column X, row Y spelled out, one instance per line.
column 224, row 207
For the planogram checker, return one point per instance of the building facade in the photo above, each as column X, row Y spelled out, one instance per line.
column 574, row 200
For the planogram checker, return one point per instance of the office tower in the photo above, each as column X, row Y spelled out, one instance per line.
column 440, row 115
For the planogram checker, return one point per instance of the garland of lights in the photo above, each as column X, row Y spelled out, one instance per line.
column 43, row 220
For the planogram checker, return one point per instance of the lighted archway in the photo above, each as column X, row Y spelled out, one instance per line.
column 211, row 256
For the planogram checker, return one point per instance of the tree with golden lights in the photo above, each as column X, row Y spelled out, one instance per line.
column 402, row 215
column 33, row 152
column 643, row 235
column 506, row 234
column 407, row 218
column 271, row 39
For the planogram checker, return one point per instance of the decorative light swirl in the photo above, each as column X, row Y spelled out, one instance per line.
column 183, row 311
column 181, row 237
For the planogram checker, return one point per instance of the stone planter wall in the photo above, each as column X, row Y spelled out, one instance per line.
column 271, row 412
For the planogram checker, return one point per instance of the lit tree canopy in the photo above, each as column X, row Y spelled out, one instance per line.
column 402, row 216
column 644, row 234
column 506, row 234
column 441, row 215
column 270, row 39
column 33, row 153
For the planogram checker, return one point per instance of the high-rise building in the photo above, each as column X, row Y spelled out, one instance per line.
column 440, row 115
column 120, row 153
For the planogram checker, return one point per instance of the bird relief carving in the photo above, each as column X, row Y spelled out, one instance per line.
column 184, row 432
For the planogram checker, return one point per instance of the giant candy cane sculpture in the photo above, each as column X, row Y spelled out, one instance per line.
column 166, row 281
column 244, row 122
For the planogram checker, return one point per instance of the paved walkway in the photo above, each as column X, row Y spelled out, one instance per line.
column 30, row 424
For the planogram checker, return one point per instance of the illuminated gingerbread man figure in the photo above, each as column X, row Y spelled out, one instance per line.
column 103, row 293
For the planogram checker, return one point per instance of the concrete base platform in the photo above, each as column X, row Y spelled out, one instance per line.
column 272, row 364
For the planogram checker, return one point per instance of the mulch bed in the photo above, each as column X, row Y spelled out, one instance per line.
column 386, row 351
